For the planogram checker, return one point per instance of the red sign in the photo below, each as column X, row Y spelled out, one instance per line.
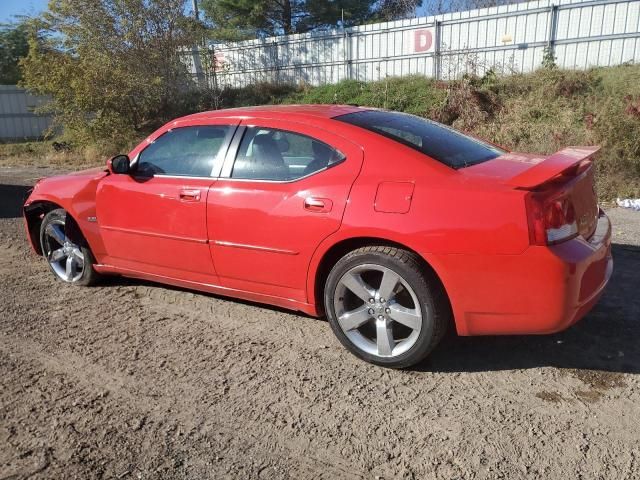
column 423, row 40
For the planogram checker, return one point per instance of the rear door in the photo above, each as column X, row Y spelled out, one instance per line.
column 154, row 220
column 283, row 189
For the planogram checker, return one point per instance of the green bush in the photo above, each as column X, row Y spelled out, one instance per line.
column 112, row 68
column 414, row 94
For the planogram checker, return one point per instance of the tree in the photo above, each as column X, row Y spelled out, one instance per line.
column 251, row 18
column 13, row 46
column 389, row 10
column 111, row 66
column 437, row 7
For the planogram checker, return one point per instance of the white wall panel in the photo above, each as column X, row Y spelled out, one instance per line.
column 17, row 118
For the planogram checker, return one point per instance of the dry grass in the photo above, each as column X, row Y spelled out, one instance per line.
column 43, row 154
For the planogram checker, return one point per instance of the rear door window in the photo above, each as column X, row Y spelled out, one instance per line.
column 280, row 155
column 438, row 141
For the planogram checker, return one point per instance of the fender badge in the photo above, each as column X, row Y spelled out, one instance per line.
column 92, row 219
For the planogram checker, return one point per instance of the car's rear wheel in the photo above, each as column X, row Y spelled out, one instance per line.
column 384, row 307
column 66, row 250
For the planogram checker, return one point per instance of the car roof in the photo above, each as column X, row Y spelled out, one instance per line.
column 315, row 111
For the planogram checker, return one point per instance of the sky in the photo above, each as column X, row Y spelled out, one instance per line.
column 9, row 8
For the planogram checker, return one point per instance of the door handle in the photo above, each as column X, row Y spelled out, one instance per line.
column 188, row 195
column 320, row 205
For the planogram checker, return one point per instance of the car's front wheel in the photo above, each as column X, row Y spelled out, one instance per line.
column 66, row 250
column 384, row 308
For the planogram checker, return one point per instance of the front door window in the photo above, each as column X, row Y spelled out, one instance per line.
column 186, row 151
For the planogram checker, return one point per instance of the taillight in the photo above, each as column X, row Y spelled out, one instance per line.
column 551, row 217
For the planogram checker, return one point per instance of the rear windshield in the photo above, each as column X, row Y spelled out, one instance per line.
column 440, row 142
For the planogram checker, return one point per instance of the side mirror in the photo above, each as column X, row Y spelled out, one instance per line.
column 119, row 164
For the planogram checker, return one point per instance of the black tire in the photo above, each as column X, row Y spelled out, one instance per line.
column 427, row 288
column 72, row 232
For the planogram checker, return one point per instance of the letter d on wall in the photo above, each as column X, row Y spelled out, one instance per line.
column 423, row 40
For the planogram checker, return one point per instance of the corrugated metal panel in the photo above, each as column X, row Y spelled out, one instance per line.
column 509, row 38
column 17, row 120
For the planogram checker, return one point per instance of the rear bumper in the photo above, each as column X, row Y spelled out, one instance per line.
column 543, row 290
column 589, row 266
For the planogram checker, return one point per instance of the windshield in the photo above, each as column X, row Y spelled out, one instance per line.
column 438, row 141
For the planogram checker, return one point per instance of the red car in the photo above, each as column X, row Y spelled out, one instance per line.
column 391, row 225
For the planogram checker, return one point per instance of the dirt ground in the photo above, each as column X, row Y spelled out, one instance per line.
column 136, row 380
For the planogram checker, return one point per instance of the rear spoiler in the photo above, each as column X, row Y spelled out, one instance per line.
column 552, row 166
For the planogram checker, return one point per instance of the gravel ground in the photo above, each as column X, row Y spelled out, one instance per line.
column 136, row 380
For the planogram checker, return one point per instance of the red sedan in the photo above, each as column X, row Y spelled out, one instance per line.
column 391, row 225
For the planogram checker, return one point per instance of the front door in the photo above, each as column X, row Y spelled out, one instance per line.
column 154, row 220
column 283, row 193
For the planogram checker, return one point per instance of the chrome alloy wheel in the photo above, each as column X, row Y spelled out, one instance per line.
column 385, row 320
column 65, row 257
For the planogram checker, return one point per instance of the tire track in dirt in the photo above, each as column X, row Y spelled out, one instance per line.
column 153, row 409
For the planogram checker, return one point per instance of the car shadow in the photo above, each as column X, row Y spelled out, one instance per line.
column 116, row 280
column 12, row 198
column 607, row 339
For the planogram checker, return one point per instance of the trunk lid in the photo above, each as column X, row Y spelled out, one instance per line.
column 569, row 171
